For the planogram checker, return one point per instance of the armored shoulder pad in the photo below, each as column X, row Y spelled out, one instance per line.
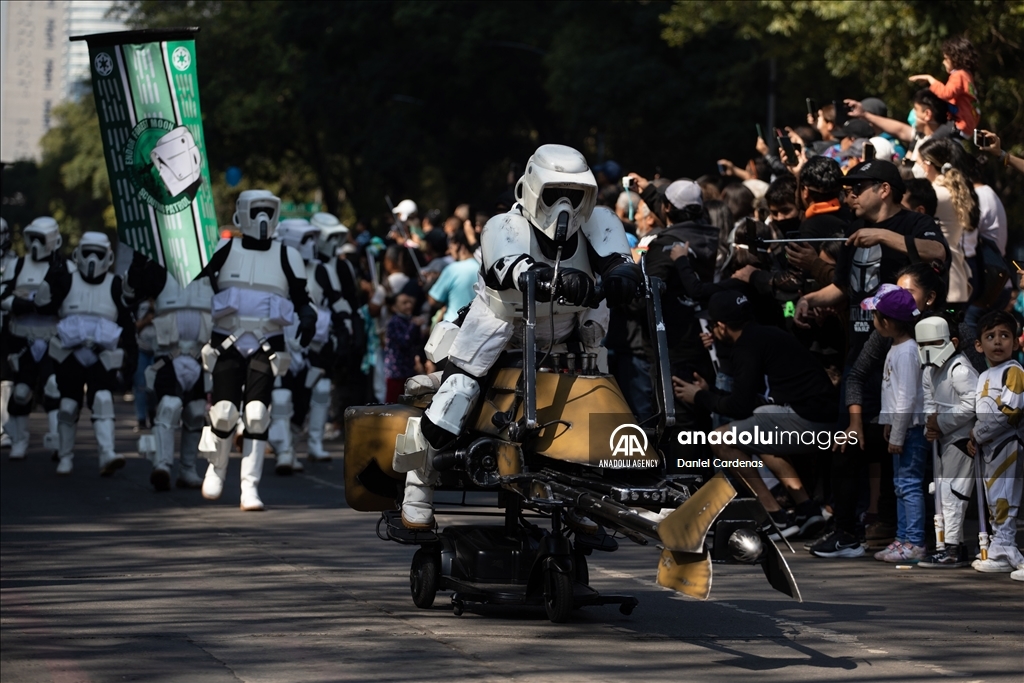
column 506, row 234
column 605, row 233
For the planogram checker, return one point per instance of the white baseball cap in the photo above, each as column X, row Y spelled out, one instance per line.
column 405, row 208
column 683, row 193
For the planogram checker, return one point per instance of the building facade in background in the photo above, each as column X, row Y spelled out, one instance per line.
column 40, row 67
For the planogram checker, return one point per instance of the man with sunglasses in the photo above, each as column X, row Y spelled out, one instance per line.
column 554, row 228
column 259, row 287
column 94, row 343
column 27, row 334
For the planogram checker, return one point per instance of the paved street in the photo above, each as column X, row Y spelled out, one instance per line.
column 105, row 580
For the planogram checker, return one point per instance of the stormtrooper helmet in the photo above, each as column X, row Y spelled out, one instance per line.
column 176, row 157
column 5, row 237
column 42, row 238
column 93, row 256
column 333, row 234
column 298, row 234
column 558, row 192
column 256, row 213
column 934, row 344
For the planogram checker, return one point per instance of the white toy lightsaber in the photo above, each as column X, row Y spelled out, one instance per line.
column 714, row 354
column 980, row 485
column 940, row 520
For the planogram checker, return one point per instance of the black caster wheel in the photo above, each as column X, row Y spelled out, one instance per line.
column 425, row 577
column 558, row 596
column 582, row 570
column 458, row 607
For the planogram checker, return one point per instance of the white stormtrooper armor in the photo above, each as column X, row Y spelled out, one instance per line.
column 183, row 325
column 260, row 286
column 88, row 330
column 555, row 221
column 42, row 238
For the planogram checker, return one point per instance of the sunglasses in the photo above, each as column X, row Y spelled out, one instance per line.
column 858, row 189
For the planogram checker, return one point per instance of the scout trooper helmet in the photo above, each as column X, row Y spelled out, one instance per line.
column 256, row 214
column 42, row 238
column 298, row 234
column 929, row 331
column 333, row 234
column 558, row 191
column 93, row 256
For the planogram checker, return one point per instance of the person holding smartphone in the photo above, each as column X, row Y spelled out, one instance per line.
column 989, row 143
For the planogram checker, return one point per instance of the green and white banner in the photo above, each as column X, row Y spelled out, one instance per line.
column 147, row 97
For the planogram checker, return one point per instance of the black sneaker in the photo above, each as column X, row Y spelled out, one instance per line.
column 826, row 529
column 838, row 544
column 809, row 518
column 786, row 525
column 948, row 558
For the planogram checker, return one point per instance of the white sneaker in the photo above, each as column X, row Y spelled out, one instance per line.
column 993, row 566
column 65, row 465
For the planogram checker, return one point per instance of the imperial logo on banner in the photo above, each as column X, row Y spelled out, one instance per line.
column 147, row 97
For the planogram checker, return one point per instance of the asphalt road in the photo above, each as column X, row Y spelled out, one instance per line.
column 102, row 579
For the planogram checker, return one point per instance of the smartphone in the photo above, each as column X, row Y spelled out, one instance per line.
column 982, row 140
column 626, row 182
column 840, row 109
column 790, row 158
column 759, row 133
column 721, row 169
column 812, row 108
column 869, row 151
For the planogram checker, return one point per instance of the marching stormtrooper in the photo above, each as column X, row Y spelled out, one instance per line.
column 95, row 335
column 553, row 227
column 183, row 325
column 7, row 261
column 306, row 388
column 347, row 326
column 259, row 286
column 29, row 334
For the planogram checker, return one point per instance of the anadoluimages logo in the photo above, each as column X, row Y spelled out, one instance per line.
column 628, row 441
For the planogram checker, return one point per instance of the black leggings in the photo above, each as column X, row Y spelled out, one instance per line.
column 72, row 378
column 241, row 380
column 166, row 384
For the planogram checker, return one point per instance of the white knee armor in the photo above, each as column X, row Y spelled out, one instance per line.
column 256, row 418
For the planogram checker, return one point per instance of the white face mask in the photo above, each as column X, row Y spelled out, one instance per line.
column 919, row 171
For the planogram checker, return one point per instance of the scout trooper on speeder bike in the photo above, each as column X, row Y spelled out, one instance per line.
column 554, row 223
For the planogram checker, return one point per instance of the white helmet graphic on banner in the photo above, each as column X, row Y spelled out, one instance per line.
column 42, row 237
column 94, row 256
column 558, row 191
column 256, row 214
column 176, row 157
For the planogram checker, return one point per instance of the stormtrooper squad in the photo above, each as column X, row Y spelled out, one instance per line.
column 259, row 286
column 554, row 230
column 94, row 345
column 306, row 388
column 27, row 334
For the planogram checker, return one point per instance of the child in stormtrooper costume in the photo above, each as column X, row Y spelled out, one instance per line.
column 553, row 226
column 27, row 335
column 949, row 382
column 306, row 387
column 259, row 285
column 183, row 325
column 95, row 340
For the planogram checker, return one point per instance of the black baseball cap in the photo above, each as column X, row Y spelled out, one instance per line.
column 730, row 307
column 877, row 169
column 857, row 128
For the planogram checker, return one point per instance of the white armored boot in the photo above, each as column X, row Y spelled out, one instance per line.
column 319, row 406
column 280, row 432
column 297, row 465
column 51, row 440
column 17, row 430
column 168, row 413
column 188, row 476
column 103, row 426
column 6, row 387
column 66, row 428
column 216, row 450
column 413, row 455
column 252, row 471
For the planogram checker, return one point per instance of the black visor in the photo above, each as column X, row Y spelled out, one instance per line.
column 94, row 251
column 553, row 194
column 256, row 210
